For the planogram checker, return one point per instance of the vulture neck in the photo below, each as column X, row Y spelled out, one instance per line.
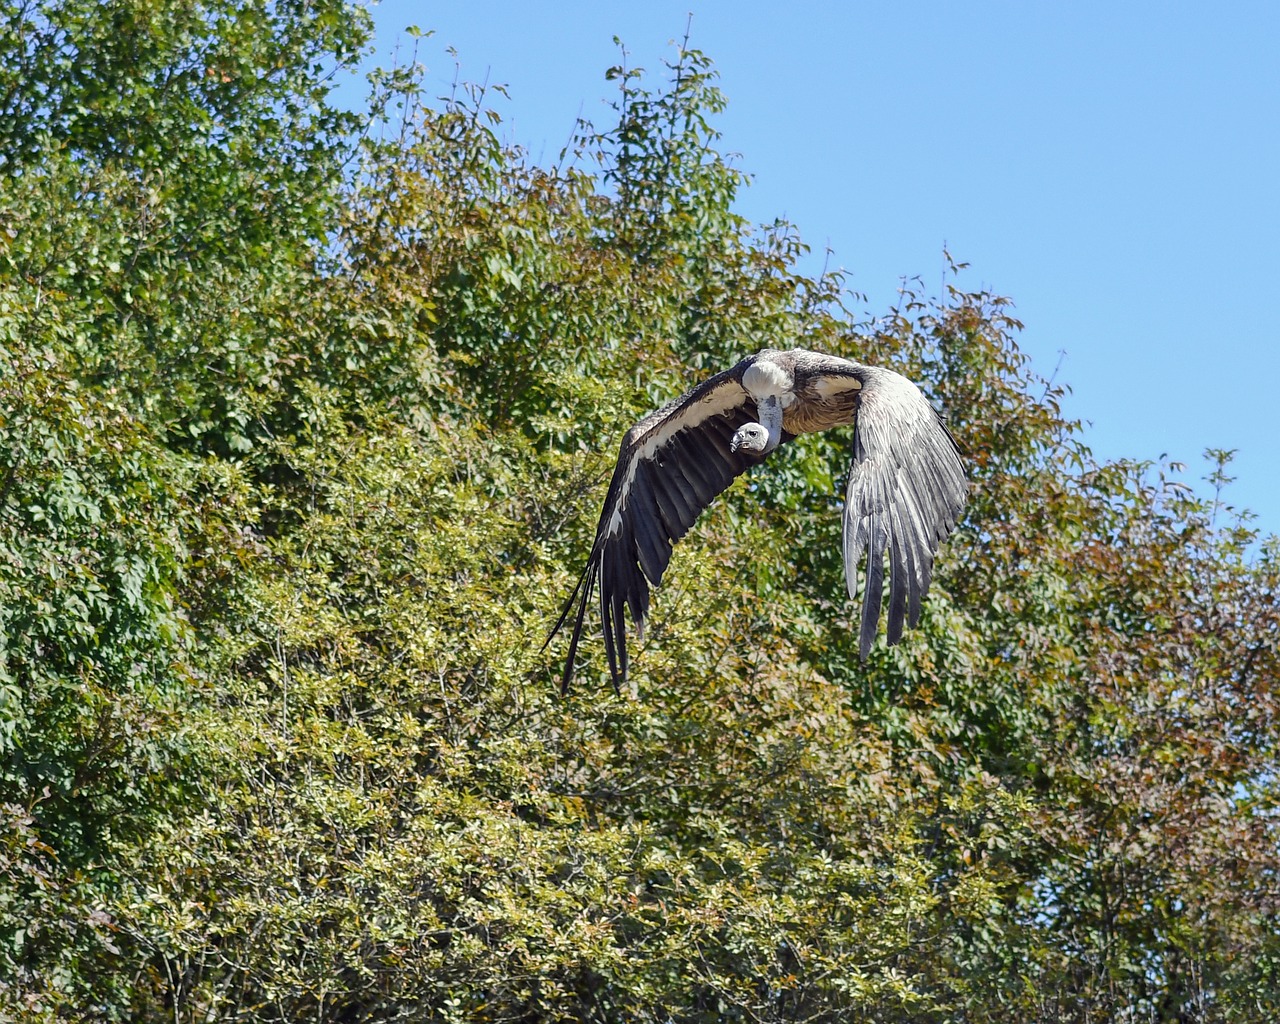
column 769, row 410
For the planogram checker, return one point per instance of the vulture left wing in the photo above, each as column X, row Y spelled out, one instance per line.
column 672, row 465
column 906, row 491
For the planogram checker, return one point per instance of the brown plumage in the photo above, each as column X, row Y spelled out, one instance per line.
column 814, row 411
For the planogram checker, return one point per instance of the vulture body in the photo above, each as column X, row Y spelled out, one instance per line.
column 906, row 485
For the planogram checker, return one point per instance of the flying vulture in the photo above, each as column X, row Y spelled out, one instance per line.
column 906, row 484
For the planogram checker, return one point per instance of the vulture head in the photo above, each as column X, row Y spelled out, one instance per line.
column 752, row 437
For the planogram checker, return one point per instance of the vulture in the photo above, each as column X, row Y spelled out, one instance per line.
column 906, row 485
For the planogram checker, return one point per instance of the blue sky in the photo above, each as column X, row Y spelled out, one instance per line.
column 1114, row 168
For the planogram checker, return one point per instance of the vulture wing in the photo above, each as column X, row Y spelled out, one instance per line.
column 672, row 465
column 906, row 492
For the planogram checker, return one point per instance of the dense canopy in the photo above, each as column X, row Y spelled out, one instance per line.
column 305, row 421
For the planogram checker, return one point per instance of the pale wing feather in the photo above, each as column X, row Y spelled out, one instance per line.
column 906, row 491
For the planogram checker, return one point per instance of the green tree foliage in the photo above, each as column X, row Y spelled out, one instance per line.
column 303, row 432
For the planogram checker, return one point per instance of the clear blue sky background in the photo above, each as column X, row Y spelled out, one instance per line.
column 1114, row 168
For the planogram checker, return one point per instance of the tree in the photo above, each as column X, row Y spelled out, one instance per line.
column 165, row 172
column 303, row 438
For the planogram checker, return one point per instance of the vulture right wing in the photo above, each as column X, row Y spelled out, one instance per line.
column 672, row 465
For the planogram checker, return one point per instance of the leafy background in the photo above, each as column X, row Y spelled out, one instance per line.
column 304, row 421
